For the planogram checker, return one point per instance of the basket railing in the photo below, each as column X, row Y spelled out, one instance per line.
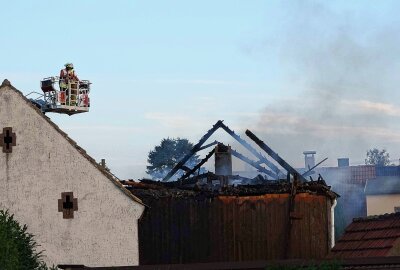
column 59, row 92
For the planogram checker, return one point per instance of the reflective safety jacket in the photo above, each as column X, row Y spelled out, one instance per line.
column 68, row 75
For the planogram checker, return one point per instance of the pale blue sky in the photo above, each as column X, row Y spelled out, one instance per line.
column 173, row 68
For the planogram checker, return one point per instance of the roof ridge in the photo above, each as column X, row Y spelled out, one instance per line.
column 376, row 217
column 367, row 239
column 372, row 230
column 358, row 249
column 111, row 177
column 5, row 83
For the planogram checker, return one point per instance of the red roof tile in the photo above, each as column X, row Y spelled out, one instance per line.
column 353, row 236
column 359, row 174
column 346, row 245
column 372, row 236
column 376, row 234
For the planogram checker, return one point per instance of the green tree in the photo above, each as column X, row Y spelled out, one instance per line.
column 166, row 155
column 17, row 246
column 377, row 157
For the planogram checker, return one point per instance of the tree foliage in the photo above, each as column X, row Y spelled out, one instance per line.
column 166, row 155
column 377, row 157
column 17, row 246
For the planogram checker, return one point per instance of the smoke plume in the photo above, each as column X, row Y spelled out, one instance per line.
column 340, row 82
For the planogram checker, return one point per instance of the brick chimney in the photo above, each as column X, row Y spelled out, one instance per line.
column 223, row 160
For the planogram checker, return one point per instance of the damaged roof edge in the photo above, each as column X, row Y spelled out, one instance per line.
column 156, row 188
column 111, row 177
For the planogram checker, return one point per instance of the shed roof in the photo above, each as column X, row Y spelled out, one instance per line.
column 383, row 185
column 6, row 84
column 373, row 236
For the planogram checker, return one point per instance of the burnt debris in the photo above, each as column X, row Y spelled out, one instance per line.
column 225, row 217
column 223, row 157
column 275, row 172
column 201, row 188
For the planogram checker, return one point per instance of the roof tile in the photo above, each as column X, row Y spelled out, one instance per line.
column 373, row 236
column 347, row 245
column 376, row 234
column 376, row 243
column 353, row 236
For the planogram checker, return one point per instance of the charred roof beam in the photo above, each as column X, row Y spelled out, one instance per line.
column 208, row 145
column 254, row 164
column 275, row 156
column 185, row 168
column 198, row 166
column 195, row 149
column 263, row 159
column 199, row 147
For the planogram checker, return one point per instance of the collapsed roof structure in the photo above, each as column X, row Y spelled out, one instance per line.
column 214, row 217
column 262, row 164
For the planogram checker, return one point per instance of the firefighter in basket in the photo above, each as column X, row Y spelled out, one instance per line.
column 69, row 83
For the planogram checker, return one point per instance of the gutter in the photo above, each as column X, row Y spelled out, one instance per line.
column 333, row 223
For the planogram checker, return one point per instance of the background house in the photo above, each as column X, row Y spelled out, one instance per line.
column 350, row 183
column 78, row 212
column 383, row 195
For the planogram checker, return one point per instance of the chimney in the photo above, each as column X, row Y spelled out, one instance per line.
column 309, row 159
column 103, row 163
column 343, row 162
column 223, row 160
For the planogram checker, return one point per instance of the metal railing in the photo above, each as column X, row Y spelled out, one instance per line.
column 62, row 93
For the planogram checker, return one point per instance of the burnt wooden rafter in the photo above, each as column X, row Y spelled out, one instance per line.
column 198, row 166
column 275, row 173
column 252, row 163
column 275, row 156
column 262, row 159
column 195, row 149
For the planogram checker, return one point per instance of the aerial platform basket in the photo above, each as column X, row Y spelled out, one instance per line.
column 64, row 96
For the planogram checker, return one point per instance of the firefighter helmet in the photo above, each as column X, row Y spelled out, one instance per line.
column 69, row 65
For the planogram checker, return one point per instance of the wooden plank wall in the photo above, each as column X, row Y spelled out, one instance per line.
column 228, row 228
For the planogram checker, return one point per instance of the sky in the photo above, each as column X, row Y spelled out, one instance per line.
column 302, row 75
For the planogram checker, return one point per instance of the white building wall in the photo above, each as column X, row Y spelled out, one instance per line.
column 382, row 204
column 43, row 164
